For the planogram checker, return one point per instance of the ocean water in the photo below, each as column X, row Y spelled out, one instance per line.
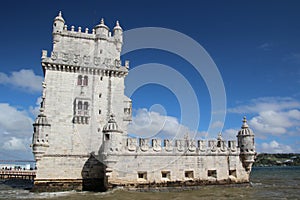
column 266, row 183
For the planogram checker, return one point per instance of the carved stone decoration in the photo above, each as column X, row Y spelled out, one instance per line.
column 212, row 145
column 202, row 145
column 118, row 63
column 144, row 144
column 76, row 58
column 86, row 59
column 65, row 57
column 97, row 61
column 168, row 145
column 156, row 144
column 180, row 145
column 223, row 145
column 131, row 143
column 192, row 145
column 54, row 55
column 232, row 145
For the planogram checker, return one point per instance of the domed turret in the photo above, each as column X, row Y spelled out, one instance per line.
column 58, row 23
column 111, row 125
column 41, row 128
column 246, row 145
column 101, row 30
column 118, row 35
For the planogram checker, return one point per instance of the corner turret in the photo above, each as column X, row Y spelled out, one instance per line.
column 246, row 144
column 58, row 23
column 101, row 30
column 118, row 35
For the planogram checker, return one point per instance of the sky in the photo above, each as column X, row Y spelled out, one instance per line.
column 254, row 45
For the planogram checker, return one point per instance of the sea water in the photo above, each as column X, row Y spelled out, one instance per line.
column 266, row 183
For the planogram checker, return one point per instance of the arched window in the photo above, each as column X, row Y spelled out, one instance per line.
column 79, row 80
column 79, row 105
column 85, row 80
column 85, row 106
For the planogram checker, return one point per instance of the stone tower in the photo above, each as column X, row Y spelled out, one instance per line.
column 246, row 144
column 83, row 85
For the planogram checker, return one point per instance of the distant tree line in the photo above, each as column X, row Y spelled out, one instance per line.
column 279, row 159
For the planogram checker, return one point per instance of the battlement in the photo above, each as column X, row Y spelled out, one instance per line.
column 181, row 146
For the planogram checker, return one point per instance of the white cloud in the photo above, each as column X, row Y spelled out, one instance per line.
column 266, row 104
column 152, row 124
column 265, row 46
column 15, row 130
column 36, row 110
column 14, row 144
column 274, row 147
column 272, row 115
column 230, row 134
column 24, row 79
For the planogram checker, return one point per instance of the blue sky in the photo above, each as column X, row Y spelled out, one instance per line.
column 254, row 44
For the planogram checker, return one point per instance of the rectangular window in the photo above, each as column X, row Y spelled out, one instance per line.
column 212, row 173
column 189, row 174
column 232, row 172
column 166, row 175
column 142, row 175
column 106, row 136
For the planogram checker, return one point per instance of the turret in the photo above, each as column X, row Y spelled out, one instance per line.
column 40, row 143
column 101, row 30
column 246, row 144
column 118, row 36
column 41, row 128
column 58, row 23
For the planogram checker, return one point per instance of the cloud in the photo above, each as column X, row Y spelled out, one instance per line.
column 274, row 147
column 14, row 144
column 272, row 115
column 152, row 124
column 15, row 131
column 265, row 46
column 292, row 58
column 266, row 104
column 23, row 79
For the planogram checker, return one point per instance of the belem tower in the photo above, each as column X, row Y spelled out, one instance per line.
column 80, row 139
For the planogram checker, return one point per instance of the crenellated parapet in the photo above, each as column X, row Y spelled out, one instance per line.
column 180, row 146
column 90, row 51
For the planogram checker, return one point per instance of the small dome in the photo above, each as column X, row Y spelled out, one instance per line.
column 59, row 17
column 245, row 130
column 101, row 25
column 117, row 27
column 111, row 125
column 41, row 120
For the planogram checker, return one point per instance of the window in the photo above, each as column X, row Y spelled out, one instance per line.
column 80, row 105
column 189, row 174
column 166, row 175
column 101, row 78
column 85, row 80
column 142, row 175
column 107, row 137
column 86, row 106
column 100, row 95
column 82, row 81
column 232, row 172
column 81, row 111
column 79, row 80
column 212, row 173
column 99, row 112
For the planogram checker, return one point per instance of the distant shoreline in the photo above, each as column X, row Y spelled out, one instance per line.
column 279, row 159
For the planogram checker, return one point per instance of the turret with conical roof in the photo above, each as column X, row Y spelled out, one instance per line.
column 101, row 30
column 246, row 145
column 58, row 23
column 118, row 35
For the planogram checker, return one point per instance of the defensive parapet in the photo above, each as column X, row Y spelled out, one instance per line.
column 180, row 146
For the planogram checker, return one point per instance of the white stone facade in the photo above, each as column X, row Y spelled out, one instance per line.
column 80, row 137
